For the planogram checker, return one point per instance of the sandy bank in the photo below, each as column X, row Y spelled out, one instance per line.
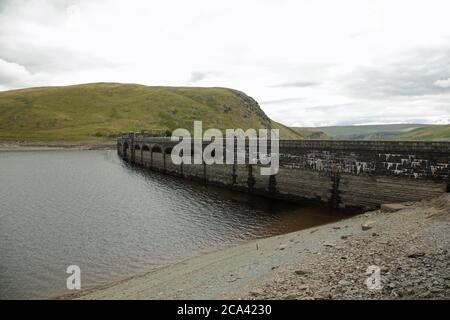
column 56, row 145
column 410, row 246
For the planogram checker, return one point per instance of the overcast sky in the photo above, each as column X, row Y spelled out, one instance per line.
column 307, row 63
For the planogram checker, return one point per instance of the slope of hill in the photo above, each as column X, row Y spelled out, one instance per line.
column 312, row 133
column 369, row 132
column 380, row 132
column 432, row 133
column 103, row 110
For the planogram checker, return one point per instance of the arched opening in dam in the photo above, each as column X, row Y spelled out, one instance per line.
column 125, row 151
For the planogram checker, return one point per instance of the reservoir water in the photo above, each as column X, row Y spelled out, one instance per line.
column 90, row 209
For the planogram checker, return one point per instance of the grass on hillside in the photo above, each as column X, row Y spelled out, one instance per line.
column 104, row 110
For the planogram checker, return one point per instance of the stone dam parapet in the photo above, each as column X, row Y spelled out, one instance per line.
column 343, row 174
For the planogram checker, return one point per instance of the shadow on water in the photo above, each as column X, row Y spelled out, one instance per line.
column 285, row 216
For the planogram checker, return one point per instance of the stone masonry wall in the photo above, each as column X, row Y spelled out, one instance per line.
column 345, row 174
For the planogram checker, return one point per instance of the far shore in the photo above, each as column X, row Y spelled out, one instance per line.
column 408, row 245
column 56, row 145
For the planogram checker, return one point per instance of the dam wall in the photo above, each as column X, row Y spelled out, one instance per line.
column 343, row 174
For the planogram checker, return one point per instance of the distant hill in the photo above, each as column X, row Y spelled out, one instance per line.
column 103, row 110
column 312, row 133
column 433, row 133
column 385, row 132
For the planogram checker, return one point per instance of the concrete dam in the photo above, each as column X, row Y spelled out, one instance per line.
column 358, row 175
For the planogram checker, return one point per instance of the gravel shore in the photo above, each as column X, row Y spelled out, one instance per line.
column 56, row 145
column 409, row 248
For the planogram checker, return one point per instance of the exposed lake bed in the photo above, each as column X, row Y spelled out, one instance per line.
column 409, row 248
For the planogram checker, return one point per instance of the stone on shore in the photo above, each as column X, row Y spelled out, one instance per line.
column 368, row 225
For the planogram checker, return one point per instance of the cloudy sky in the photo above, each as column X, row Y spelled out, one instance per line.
column 307, row 63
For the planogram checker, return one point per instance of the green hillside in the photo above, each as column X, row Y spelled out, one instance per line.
column 103, row 110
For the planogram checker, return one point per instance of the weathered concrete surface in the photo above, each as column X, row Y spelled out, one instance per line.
column 345, row 174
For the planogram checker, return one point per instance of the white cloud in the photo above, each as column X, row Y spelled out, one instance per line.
column 445, row 83
column 12, row 72
column 294, row 55
column 15, row 75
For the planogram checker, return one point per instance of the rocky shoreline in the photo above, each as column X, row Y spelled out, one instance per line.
column 410, row 247
column 409, row 244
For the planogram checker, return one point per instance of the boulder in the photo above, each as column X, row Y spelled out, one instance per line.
column 368, row 225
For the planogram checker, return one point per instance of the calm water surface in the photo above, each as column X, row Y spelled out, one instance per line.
column 88, row 208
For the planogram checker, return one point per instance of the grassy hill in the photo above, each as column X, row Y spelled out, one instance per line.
column 103, row 110
column 433, row 133
column 385, row 132
column 312, row 133
column 368, row 132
